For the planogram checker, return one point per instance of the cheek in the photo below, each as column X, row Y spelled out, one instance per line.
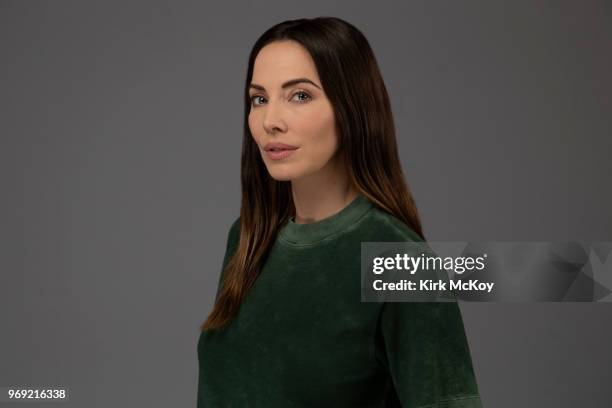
column 323, row 140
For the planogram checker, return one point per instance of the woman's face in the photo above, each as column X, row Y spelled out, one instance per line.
column 290, row 109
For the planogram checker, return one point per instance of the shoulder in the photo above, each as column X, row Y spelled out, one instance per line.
column 233, row 235
column 235, row 227
column 377, row 225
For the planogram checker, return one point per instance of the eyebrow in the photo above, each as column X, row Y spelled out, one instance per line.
column 287, row 84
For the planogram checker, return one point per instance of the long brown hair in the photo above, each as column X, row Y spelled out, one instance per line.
column 355, row 88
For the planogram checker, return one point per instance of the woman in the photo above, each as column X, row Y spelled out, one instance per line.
column 320, row 175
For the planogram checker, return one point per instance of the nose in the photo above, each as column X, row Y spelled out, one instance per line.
column 273, row 118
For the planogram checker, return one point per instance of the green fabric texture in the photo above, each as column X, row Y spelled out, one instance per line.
column 303, row 338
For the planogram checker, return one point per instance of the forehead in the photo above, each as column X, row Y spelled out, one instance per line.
column 280, row 61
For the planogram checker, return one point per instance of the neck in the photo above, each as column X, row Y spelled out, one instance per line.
column 323, row 194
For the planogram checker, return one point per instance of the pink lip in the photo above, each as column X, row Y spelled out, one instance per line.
column 280, row 154
column 277, row 146
column 279, row 151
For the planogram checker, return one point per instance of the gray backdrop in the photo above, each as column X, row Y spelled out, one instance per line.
column 120, row 150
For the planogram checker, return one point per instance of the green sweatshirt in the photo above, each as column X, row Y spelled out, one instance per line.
column 303, row 338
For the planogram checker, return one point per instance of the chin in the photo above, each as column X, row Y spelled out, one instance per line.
column 283, row 173
column 281, row 176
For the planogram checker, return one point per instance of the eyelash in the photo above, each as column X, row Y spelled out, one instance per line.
column 297, row 93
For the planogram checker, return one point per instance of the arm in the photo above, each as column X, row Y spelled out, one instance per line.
column 427, row 355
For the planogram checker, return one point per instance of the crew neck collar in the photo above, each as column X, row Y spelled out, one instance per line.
column 306, row 234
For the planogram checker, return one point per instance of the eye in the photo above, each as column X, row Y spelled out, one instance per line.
column 305, row 95
column 254, row 98
column 302, row 98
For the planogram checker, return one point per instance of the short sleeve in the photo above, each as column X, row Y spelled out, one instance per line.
column 233, row 238
column 427, row 355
